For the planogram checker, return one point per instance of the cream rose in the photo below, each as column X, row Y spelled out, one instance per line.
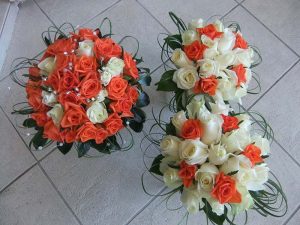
column 236, row 140
column 56, row 114
column 86, row 48
column 195, row 23
column 205, row 176
column 262, row 143
column 191, row 199
column 219, row 106
column 178, row 120
column 227, row 41
column 47, row 65
column 115, row 66
column 166, row 161
column 106, row 76
column 208, row 67
column 211, row 52
column 180, row 59
column 97, row 112
column 217, row 154
column 185, row 78
column 246, row 203
column 219, row 26
column 189, row 36
column 243, row 56
column 193, row 151
column 49, row 98
column 216, row 207
column 169, row 146
column 225, row 60
column 102, row 95
column 171, row 178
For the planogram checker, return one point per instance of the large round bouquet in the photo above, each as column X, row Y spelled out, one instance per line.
column 84, row 89
column 213, row 156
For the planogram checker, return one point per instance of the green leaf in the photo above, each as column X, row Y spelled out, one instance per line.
column 178, row 99
column 83, row 148
column 29, row 123
column 170, row 129
column 166, row 83
column 113, row 143
column 65, row 148
column 174, row 41
column 103, row 148
column 145, row 80
column 219, row 220
column 138, row 115
column 137, row 127
column 143, row 99
column 47, row 41
column 232, row 173
column 155, row 165
column 38, row 140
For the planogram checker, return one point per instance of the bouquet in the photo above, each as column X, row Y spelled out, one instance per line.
column 85, row 89
column 214, row 157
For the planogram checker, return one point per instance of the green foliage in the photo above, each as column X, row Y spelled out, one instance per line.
column 155, row 165
column 174, row 41
column 64, row 148
column 29, row 123
column 38, row 140
column 166, row 83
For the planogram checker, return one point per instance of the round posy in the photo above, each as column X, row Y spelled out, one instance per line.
column 84, row 90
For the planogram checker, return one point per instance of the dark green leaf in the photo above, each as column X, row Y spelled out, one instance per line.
column 170, row 129
column 143, row 99
column 155, row 165
column 138, row 115
column 29, row 123
column 166, row 83
column 145, row 80
column 103, row 148
column 83, row 148
column 137, row 127
column 232, row 173
column 65, row 147
column 38, row 140
column 178, row 99
column 47, row 41
column 174, row 41
column 219, row 220
column 113, row 143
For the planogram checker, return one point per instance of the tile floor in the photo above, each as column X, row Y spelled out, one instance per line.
column 45, row 187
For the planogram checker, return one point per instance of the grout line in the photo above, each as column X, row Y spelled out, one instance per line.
column 44, row 13
column 5, row 18
column 145, row 206
column 292, row 215
column 280, row 78
column 292, row 50
column 44, row 172
column 226, row 14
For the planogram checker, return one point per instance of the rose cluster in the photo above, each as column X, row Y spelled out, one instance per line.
column 213, row 157
column 210, row 59
column 83, row 88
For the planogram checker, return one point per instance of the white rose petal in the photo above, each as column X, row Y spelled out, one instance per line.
column 180, row 59
column 217, row 207
column 115, row 66
column 97, row 112
column 243, row 56
column 219, row 106
column 102, row 95
column 106, row 77
column 185, row 78
column 166, row 161
column 217, row 154
column 209, row 42
column 171, row 178
column 86, row 48
column 193, row 152
column 195, row 23
column 227, row 41
column 236, row 140
column 47, row 65
column 189, row 36
column 225, row 60
column 56, row 114
column 205, row 176
column 49, row 98
column 212, row 129
column 262, row 143
column 208, row 67
column 191, row 199
column 246, row 203
column 178, row 120
column 169, row 146
column 219, row 26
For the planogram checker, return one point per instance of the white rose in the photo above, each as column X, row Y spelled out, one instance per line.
column 217, row 154
column 219, row 26
column 195, row 23
column 169, row 145
column 86, row 48
column 243, row 56
column 227, row 41
column 193, row 152
column 211, row 52
column 209, row 42
column 49, row 98
column 166, row 161
column 56, row 114
column 253, row 178
column 102, row 95
column 206, row 176
column 105, row 77
column 194, row 107
column 236, row 140
column 227, row 84
column 191, row 199
column 97, row 112
column 115, row 66
column 180, row 59
column 208, row 67
column 231, row 165
column 47, row 65
column 189, row 36
column 244, row 121
column 262, row 143
column 246, row 203
column 225, row 60
column 219, row 106
column 216, row 206
column 185, row 78
column 171, row 178
column 178, row 120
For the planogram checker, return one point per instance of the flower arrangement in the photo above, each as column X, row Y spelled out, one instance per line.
column 214, row 157
column 85, row 89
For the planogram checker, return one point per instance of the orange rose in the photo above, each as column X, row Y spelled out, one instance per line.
column 40, row 118
column 63, row 61
column 133, row 93
column 230, row 123
column 130, row 66
column 116, row 88
column 122, row 106
column 210, row 31
column 187, row 173
column 51, row 131
column 87, row 132
column 240, row 73
column 253, row 153
column 33, row 88
column 240, row 42
column 206, row 85
column 74, row 115
column 90, row 86
column 69, row 134
column 105, row 48
column 35, row 101
column 195, row 50
column 87, row 34
column 85, row 64
column 54, row 80
column 34, row 71
column 101, row 135
column 60, row 46
column 192, row 129
column 70, row 96
column 68, row 81
column 225, row 190
column 113, row 124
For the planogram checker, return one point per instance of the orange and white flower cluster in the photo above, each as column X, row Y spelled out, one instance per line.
column 213, row 157
column 215, row 60
column 83, row 88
